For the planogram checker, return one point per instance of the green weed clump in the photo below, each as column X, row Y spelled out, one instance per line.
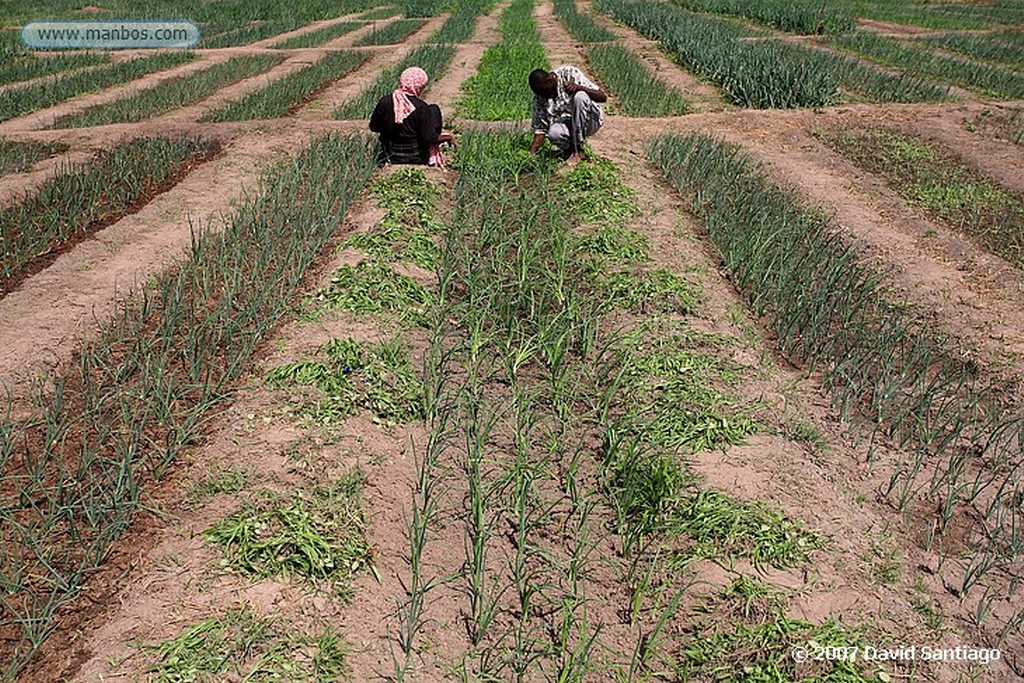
column 170, row 95
column 237, row 643
column 656, row 291
column 284, row 96
column 580, row 26
column 406, row 232
column 354, row 376
column 433, row 59
column 672, row 394
column 806, row 17
column 317, row 538
column 940, row 185
column 764, row 652
column 596, row 195
column 986, row 80
column 143, row 386
column 609, row 243
column 721, row 526
column 319, row 36
column 763, row 74
column 393, row 32
column 370, row 287
column 17, row 156
column 636, row 89
column 35, row 96
column 497, row 91
column 78, row 201
column 28, row 66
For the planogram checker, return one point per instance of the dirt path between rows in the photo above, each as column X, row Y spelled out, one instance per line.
column 163, row 577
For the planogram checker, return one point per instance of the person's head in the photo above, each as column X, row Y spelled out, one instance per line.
column 544, row 83
column 413, row 80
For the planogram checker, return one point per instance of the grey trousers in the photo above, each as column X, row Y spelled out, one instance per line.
column 569, row 134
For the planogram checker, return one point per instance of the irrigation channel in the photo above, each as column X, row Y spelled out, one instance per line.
column 737, row 398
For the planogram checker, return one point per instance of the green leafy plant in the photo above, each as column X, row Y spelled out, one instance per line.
column 237, row 643
column 371, row 287
column 355, row 376
column 317, row 538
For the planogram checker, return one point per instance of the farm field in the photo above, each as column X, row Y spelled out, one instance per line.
column 738, row 398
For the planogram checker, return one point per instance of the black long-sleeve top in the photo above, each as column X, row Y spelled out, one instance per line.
column 409, row 141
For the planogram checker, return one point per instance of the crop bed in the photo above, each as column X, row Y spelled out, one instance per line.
column 742, row 385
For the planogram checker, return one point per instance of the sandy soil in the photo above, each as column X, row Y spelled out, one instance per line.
column 163, row 577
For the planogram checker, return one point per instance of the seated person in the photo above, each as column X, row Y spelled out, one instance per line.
column 565, row 109
column 409, row 128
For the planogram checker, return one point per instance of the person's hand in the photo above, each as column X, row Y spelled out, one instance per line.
column 538, row 139
column 572, row 88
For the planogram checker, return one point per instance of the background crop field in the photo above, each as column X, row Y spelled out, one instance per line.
column 742, row 384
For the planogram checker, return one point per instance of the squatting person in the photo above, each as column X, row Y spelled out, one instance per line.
column 565, row 109
column 409, row 128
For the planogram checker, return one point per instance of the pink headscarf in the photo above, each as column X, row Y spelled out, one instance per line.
column 412, row 82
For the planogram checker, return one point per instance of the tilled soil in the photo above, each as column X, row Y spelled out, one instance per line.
column 161, row 577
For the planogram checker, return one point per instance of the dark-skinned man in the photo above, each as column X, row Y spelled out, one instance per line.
column 565, row 109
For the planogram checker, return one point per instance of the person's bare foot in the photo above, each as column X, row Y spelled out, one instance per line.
column 575, row 158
